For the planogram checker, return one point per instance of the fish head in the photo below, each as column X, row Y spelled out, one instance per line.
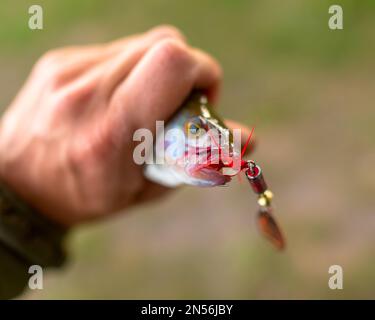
column 202, row 145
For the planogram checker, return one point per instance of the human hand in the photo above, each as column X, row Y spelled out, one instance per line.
column 66, row 140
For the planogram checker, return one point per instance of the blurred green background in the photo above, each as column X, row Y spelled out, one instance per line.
column 309, row 91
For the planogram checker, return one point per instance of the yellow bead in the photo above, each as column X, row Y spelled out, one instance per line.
column 262, row 201
column 268, row 194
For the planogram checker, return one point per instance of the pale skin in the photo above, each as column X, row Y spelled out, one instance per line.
column 66, row 143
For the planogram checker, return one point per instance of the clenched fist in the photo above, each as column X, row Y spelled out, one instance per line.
column 66, row 141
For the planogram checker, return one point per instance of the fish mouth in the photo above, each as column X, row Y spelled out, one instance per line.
column 210, row 167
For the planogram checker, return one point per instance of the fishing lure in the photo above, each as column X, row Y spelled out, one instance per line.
column 192, row 155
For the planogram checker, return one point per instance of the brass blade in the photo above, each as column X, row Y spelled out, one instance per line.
column 269, row 228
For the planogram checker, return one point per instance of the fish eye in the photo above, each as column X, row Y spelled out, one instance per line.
column 193, row 128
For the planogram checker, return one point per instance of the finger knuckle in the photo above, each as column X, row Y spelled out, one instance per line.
column 50, row 67
column 50, row 58
column 168, row 31
column 62, row 99
column 172, row 52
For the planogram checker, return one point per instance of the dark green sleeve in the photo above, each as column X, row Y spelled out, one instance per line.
column 13, row 273
column 26, row 238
